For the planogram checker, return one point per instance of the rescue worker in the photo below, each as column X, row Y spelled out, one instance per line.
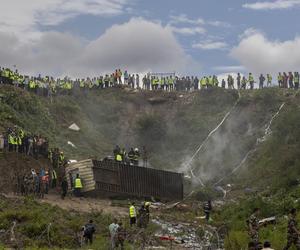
column 223, row 83
column 78, row 186
column 238, row 80
column 142, row 216
column 61, row 159
column 203, row 83
column 280, row 80
column 269, row 80
column 207, row 210
column 261, row 81
column 147, row 207
column 136, row 156
column 64, row 188
column 291, row 80
column 296, row 80
column 132, row 214
column 244, row 82
column 53, row 179
column 89, row 230
column 131, row 156
column 251, row 80
column 116, row 150
column 210, row 82
column 215, row 81
column 119, row 158
column 253, row 226
column 293, row 233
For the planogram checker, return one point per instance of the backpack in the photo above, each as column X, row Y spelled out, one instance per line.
column 89, row 229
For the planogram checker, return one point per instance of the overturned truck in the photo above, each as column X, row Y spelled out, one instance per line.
column 112, row 179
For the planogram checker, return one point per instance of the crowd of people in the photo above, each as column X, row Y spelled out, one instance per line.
column 35, row 181
column 16, row 140
column 48, row 86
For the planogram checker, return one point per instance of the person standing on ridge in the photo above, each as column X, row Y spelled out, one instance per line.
column 261, row 81
column 238, row 80
column 269, row 80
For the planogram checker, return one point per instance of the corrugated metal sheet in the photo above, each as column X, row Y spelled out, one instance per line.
column 137, row 181
column 112, row 178
column 86, row 173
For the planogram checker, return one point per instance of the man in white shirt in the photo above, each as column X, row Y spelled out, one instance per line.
column 113, row 229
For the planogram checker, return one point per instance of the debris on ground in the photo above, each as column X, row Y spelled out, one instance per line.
column 71, row 144
column 189, row 235
column 74, row 127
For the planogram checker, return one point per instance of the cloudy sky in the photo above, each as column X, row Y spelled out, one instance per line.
column 90, row 37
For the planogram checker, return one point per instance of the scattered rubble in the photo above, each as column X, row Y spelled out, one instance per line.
column 185, row 235
column 74, row 127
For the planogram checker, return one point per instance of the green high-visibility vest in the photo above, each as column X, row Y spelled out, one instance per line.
column 296, row 78
column 251, row 79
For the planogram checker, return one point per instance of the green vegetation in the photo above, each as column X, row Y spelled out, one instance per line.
column 171, row 126
column 33, row 219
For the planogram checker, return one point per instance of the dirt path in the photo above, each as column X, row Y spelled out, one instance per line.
column 85, row 205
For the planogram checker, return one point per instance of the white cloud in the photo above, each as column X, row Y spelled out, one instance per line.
column 24, row 17
column 258, row 54
column 128, row 46
column 182, row 18
column 272, row 5
column 235, row 68
column 187, row 30
column 219, row 24
column 210, row 45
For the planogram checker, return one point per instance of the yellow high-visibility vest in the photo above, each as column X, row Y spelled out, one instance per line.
column 78, row 183
column 119, row 157
column 132, row 212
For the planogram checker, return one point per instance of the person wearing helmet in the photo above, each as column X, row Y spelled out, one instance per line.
column 136, row 156
column 131, row 156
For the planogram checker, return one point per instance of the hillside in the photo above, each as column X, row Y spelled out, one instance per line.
column 170, row 125
column 260, row 130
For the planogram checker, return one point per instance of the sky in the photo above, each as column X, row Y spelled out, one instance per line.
column 82, row 38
